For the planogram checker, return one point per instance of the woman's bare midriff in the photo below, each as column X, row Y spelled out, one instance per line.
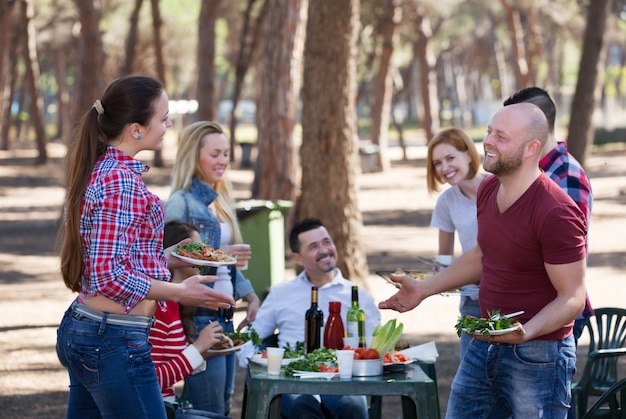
column 145, row 308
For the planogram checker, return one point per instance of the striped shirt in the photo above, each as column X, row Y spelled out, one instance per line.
column 121, row 227
column 174, row 359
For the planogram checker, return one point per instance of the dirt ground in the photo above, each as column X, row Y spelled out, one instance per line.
column 396, row 211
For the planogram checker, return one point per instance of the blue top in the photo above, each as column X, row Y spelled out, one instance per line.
column 192, row 206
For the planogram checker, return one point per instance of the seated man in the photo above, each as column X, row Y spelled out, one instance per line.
column 285, row 306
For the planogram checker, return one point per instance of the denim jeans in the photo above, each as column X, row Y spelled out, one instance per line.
column 110, row 369
column 528, row 380
column 212, row 389
column 467, row 307
column 300, row 406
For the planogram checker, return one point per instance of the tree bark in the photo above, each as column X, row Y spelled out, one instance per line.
column 206, row 60
column 131, row 39
column 157, row 160
column 328, row 153
column 383, row 83
column 89, row 75
column 31, row 76
column 581, row 129
column 249, row 41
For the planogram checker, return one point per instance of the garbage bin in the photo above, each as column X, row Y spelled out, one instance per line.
column 262, row 225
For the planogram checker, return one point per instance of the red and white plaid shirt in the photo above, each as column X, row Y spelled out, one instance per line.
column 121, row 226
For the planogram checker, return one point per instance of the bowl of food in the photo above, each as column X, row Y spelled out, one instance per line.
column 367, row 367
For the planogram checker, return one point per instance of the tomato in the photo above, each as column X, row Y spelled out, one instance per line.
column 348, row 348
column 264, row 354
column 324, row 368
column 387, row 358
column 370, row 353
column 400, row 357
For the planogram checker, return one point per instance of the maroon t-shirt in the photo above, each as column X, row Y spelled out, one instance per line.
column 543, row 225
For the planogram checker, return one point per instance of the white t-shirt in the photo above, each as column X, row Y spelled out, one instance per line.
column 455, row 212
column 285, row 306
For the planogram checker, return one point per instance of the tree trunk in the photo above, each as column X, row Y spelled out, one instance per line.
column 89, row 78
column 31, row 76
column 249, row 41
column 9, row 87
column 206, row 60
column 383, row 83
column 63, row 97
column 276, row 106
column 426, row 82
column 328, row 153
column 157, row 160
column 131, row 39
column 6, row 10
column 518, row 53
column 581, row 129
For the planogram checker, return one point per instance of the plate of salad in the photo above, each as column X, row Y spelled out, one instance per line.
column 495, row 325
column 318, row 361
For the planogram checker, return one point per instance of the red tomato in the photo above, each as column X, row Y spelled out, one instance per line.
column 370, row 353
column 348, row 347
column 324, row 368
column 264, row 354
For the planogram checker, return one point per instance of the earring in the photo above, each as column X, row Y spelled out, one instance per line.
column 138, row 137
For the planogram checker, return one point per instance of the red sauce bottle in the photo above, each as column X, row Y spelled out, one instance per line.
column 334, row 331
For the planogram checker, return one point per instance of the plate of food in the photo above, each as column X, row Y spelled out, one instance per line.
column 227, row 345
column 419, row 275
column 201, row 254
column 494, row 325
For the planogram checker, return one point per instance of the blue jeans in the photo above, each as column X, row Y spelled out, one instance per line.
column 110, row 369
column 529, row 380
column 299, row 406
column 212, row 389
column 196, row 414
column 467, row 307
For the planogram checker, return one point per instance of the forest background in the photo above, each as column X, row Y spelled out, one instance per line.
column 320, row 93
column 313, row 85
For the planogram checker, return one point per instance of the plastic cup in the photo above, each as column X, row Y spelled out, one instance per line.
column 274, row 360
column 445, row 260
column 239, row 250
column 345, row 359
column 352, row 342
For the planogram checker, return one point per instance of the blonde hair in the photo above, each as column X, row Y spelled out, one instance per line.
column 186, row 167
column 458, row 139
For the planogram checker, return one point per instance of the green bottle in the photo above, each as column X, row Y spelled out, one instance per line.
column 355, row 319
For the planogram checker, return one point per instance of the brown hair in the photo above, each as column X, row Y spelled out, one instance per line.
column 126, row 100
column 458, row 139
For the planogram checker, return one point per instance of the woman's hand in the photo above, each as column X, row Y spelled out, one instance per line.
column 241, row 251
column 172, row 261
column 253, row 306
column 194, row 292
column 209, row 336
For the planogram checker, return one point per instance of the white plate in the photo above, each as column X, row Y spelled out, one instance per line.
column 225, row 350
column 258, row 359
column 201, row 262
column 312, row 374
column 497, row 332
column 386, row 364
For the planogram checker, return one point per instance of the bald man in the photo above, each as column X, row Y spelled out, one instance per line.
column 530, row 256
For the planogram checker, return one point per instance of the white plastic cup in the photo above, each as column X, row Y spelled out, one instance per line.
column 274, row 360
column 239, row 250
column 345, row 359
column 445, row 260
column 352, row 342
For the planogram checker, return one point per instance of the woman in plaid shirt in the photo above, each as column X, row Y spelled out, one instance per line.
column 112, row 256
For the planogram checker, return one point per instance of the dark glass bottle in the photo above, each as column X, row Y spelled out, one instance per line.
column 356, row 319
column 313, row 323
column 333, row 331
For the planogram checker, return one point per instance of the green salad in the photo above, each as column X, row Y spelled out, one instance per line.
column 482, row 326
column 312, row 361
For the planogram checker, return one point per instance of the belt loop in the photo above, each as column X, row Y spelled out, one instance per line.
column 103, row 323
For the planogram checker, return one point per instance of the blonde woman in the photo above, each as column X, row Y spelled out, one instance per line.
column 201, row 195
column 452, row 158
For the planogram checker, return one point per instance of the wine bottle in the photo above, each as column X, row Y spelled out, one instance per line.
column 356, row 319
column 313, row 323
column 333, row 332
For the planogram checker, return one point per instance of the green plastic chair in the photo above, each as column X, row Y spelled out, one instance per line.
column 607, row 342
column 611, row 405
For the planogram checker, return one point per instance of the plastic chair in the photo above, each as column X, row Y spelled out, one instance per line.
column 607, row 342
column 615, row 398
